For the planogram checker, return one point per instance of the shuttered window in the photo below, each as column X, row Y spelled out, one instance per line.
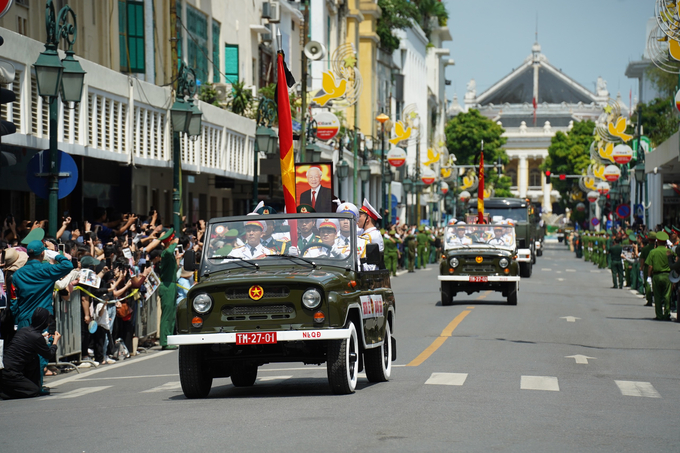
column 131, row 35
column 197, row 44
column 216, row 51
column 231, row 63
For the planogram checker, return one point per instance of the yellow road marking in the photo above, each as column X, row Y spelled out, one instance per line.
column 436, row 344
column 470, row 308
column 483, row 295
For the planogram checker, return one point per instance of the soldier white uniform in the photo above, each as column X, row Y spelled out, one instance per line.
column 371, row 235
column 252, row 253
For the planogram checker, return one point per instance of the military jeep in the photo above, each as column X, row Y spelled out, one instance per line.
column 264, row 298
column 479, row 258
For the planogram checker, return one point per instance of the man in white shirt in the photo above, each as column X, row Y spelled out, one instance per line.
column 253, row 248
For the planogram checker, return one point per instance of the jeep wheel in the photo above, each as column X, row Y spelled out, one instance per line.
column 447, row 294
column 512, row 294
column 525, row 270
column 378, row 361
column 342, row 366
column 244, row 376
column 539, row 252
column 193, row 375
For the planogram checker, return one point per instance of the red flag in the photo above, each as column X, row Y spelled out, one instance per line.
column 286, row 144
column 535, row 104
column 480, row 189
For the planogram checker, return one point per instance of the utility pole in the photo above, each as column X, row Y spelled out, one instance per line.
column 303, row 82
column 177, row 154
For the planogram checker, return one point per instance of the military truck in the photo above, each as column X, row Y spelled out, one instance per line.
column 525, row 219
column 262, row 298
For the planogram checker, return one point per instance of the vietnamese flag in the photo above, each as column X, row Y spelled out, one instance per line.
column 284, row 77
column 480, row 188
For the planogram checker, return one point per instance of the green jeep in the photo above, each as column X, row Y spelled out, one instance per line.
column 479, row 258
column 262, row 298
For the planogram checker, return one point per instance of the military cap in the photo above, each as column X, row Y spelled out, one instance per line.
column 675, row 229
column 233, row 233
column 369, row 210
column 264, row 210
column 168, row 236
column 651, row 235
column 328, row 223
column 667, row 230
column 258, row 223
column 632, row 237
column 629, row 231
column 35, row 235
column 304, row 208
column 661, row 236
column 421, row 228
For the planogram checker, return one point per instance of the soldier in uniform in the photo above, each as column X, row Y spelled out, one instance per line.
column 305, row 228
column 392, row 251
column 328, row 232
column 411, row 244
column 650, row 243
column 423, row 247
column 168, row 287
column 253, row 248
column 345, row 225
column 368, row 217
column 615, row 254
column 658, row 270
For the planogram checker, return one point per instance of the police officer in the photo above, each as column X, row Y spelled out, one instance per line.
column 658, row 270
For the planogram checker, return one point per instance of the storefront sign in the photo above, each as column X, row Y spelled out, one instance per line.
column 327, row 125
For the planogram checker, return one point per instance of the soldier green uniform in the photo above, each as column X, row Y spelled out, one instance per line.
column 586, row 247
column 608, row 245
column 168, row 290
column 411, row 252
column 423, row 248
column 658, row 261
column 392, row 252
column 644, row 253
column 616, row 266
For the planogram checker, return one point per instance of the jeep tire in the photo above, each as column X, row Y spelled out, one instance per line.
column 343, row 366
column 447, row 294
column 525, row 269
column 512, row 294
column 244, row 376
column 193, row 374
column 378, row 361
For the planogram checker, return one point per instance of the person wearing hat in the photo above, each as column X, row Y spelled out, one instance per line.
column 650, row 243
column 368, row 233
column 21, row 376
column 423, row 241
column 305, row 209
column 167, row 273
column 227, row 243
column 392, row 251
column 305, row 229
column 658, row 270
column 345, row 224
column 616, row 266
column 411, row 246
column 253, row 248
column 328, row 232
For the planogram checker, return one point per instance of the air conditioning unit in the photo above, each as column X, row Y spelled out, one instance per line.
column 253, row 90
column 266, row 10
column 267, row 37
column 274, row 12
column 223, row 92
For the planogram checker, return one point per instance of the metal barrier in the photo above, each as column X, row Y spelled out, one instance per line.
column 68, row 320
column 148, row 318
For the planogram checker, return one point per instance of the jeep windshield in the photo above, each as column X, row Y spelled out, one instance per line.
column 516, row 214
column 486, row 236
column 298, row 239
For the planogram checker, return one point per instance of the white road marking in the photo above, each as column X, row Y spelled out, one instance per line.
column 633, row 388
column 595, row 272
column 583, row 359
column 570, row 270
column 560, row 279
column 426, row 269
column 273, row 378
column 558, row 272
column 547, row 269
column 78, row 392
column 400, row 273
column 447, row 379
column 548, row 383
column 142, row 376
column 174, row 385
column 570, row 318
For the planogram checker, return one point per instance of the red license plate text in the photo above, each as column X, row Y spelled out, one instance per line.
column 480, row 279
column 256, row 338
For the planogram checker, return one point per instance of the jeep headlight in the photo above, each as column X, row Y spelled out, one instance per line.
column 311, row 298
column 454, row 262
column 503, row 263
column 202, row 303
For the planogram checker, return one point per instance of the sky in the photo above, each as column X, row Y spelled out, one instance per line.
column 584, row 38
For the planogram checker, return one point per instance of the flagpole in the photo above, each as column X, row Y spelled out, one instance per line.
column 480, row 188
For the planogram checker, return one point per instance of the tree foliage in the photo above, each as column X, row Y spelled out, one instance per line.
column 208, row 94
column 659, row 119
column 569, row 154
column 431, row 9
column 241, row 98
column 396, row 15
column 464, row 134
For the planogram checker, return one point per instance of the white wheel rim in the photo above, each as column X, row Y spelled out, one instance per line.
column 387, row 351
column 352, row 347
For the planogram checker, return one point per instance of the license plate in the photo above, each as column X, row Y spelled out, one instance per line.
column 256, row 338
column 479, row 279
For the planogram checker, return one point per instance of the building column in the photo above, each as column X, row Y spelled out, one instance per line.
column 523, row 177
column 655, row 197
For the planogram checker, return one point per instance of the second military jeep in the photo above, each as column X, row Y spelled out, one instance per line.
column 479, row 258
column 264, row 298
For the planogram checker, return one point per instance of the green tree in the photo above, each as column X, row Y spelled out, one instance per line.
column 569, row 154
column 429, row 9
column 396, row 15
column 208, row 94
column 659, row 119
column 464, row 134
column 241, row 98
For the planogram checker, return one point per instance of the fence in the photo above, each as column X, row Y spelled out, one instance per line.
column 148, row 318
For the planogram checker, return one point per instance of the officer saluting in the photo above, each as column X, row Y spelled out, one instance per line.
column 368, row 217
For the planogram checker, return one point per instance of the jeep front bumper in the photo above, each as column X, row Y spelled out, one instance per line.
column 285, row 335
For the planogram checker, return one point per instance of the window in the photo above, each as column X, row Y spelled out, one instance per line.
column 535, row 177
column 197, row 59
column 131, row 35
column 216, row 51
column 179, row 29
column 512, row 174
column 231, row 63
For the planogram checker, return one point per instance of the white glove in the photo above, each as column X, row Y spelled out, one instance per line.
column 51, row 254
column 649, row 280
column 293, row 251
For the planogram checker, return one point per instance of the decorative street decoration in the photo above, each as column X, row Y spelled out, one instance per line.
column 593, row 196
column 444, row 188
column 432, row 157
column 677, row 101
column 396, row 157
column 464, row 196
column 470, row 182
column 612, row 173
column 428, row 176
column 327, row 125
column 580, row 207
column 622, row 154
column 332, row 90
column 400, row 132
column 603, row 188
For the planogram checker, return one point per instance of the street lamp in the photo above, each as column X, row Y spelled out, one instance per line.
column 185, row 118
column 382, row 118
column 52, row 77
column 313, row 152
column 343, row 173
column 407, row 184
column 265, row 138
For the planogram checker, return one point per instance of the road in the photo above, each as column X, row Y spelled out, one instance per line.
column 575, row 366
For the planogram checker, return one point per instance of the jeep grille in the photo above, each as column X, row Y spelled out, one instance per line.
column 255, row 312
column 479, row 268
column 270, row 292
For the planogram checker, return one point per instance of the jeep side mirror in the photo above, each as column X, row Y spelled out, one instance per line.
column 190, row 261
column 373, row 254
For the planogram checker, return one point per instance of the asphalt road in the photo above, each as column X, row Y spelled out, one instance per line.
column 479, row 376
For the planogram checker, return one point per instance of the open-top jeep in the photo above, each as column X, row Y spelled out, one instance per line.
column 479, row 258
column 262, row 298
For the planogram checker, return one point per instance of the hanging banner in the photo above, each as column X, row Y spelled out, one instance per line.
column 396, row 157
column 622, row 154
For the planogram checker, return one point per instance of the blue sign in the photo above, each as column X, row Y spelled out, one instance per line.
column 40, row 165
column 608, row 225
column 393, row 208
column 595, row 221
column 639, row 210
column 623, row 211
column 297, row 126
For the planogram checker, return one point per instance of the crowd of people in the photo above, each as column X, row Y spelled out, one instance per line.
column 112, row 261
column 640, row 259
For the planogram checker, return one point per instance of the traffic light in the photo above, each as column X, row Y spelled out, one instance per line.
column 563, row 177
column 6, row 96
column 547, row 176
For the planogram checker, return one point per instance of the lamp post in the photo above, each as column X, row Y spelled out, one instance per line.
column 54, row 77
column 343, row 172
column 265, row 139
column 408, row 187
column 186, row 118
column 387, row 180
column 382, row 118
